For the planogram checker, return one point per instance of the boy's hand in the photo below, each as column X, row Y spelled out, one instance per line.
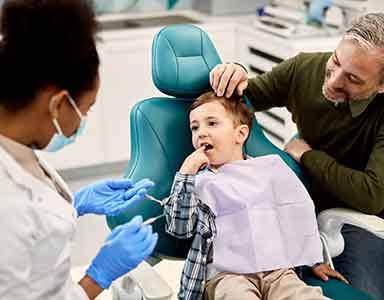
column 324, row 271
column 194, row 162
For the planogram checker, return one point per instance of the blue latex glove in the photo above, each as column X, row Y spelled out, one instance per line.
column 126, row 247
column 316, row 10
column 110, row 197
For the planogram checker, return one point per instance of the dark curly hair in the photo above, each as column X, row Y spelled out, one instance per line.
column 46, row 43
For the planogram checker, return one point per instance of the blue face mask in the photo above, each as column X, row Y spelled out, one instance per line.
column 59, row 140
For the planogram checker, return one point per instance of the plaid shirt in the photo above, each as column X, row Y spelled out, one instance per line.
column 186, row 217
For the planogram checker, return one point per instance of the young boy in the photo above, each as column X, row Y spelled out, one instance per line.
column 251, row 218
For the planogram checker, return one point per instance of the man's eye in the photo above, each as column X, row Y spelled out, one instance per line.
column 212, row 123
column 194, row 128
column 353, row 79
column 335, row 61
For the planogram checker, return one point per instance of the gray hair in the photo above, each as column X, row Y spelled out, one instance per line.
column 368, row 32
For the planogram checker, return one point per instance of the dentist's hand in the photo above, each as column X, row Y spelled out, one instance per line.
column 126, row 247
column 226, row 78
column 110, row 197
column 317, row 10
column 194, row 162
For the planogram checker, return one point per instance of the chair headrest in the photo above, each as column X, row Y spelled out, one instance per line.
column 182, row 57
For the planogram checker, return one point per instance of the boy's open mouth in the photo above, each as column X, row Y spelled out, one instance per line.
column 208, row 147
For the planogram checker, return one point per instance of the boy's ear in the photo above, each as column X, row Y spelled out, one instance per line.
column 242, row 134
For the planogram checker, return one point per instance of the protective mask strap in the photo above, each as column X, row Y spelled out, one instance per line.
column 77, row 110
column 57, row 126
column 73, row 103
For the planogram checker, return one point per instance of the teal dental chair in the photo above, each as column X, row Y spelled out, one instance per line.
column 182, row 57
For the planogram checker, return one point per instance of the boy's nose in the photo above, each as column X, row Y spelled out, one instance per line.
column 202, row 133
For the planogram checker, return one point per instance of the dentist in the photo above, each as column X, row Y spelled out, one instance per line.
column 48, row 82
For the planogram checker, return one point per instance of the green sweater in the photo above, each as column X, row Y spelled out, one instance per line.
column 347, row 160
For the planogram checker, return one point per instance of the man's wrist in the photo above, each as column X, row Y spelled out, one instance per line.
column 316, row 265
column 303, row 157
column 239, row 64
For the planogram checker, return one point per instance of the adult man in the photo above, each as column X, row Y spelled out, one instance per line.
column 337, row 102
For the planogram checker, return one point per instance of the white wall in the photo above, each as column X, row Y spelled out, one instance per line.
column 375, row 6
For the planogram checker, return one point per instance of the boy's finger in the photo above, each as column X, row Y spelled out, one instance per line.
column 201, row 149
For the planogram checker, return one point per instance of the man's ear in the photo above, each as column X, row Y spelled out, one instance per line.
column 381, row 89
column 56, row 102
column 242, row 133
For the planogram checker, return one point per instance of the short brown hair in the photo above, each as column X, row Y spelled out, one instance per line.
column 235, row 106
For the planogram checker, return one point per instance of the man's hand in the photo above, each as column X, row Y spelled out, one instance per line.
column 226, row 78
column 194, row 162
column 297, row 148
column 324, row 271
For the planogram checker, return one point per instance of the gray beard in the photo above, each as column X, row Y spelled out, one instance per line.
column 347, row 100
column 330, row 99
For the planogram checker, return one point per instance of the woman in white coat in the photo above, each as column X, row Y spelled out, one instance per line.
column 48, row 82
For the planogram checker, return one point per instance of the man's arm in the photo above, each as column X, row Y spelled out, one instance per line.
column 272, row 88
column 362, row 190
column 264, row 91
column 181, row 207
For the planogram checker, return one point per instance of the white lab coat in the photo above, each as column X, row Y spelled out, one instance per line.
column 37, row 227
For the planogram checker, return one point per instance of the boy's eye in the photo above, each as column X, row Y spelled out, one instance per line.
column 194, row 128
column 212, row 123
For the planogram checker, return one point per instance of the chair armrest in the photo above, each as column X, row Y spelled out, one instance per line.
column 332, row 220
column 151, row 285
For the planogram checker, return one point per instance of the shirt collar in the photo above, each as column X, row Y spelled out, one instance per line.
column 21, row 153
column 358, row 107
column 210, row 169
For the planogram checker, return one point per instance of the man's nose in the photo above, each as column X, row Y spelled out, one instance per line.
column 336, row 79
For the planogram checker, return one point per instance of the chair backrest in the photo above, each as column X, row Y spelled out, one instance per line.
column 182, row 57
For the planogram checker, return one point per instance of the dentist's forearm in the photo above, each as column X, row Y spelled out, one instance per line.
column 91, row 288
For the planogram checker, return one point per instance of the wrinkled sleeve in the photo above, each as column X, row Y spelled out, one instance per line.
column 18, row 240
column 74, row 291
column 271, row 89
column 361, row 190
column 181, row 207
